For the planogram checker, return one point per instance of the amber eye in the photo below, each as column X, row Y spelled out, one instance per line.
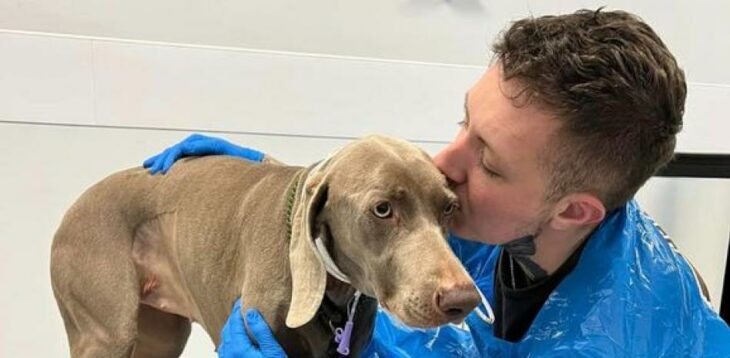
column 383, row 210
column 450, row 208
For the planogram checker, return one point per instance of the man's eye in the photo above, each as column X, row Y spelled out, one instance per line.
column 489, row 172
column 486, row 169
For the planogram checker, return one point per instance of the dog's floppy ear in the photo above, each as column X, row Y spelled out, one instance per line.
column 309, row 277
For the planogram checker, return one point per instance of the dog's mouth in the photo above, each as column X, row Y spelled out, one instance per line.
column 419, row 319
column 414, row 313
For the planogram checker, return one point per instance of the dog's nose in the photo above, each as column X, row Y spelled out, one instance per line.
column 457, row 301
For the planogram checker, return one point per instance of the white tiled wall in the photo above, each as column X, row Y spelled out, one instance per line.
column 274, row 93
column 46, row 79
column 295, row 79
column 707, row 119
column 453, row 31
column 72, row 80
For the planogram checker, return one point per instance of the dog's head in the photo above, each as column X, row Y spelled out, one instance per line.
column 381, row 207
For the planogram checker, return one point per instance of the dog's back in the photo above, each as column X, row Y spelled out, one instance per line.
column 138, row 257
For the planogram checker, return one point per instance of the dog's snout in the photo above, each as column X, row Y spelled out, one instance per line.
column 457, row 301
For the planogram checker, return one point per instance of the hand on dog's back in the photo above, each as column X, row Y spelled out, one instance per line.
column 198, row 145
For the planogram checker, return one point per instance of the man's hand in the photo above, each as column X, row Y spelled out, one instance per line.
column 198, row 144
column 235, row 343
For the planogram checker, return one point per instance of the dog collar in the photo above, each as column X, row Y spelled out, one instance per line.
column 291, row 195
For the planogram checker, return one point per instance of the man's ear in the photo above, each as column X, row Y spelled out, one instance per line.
column 577, row 210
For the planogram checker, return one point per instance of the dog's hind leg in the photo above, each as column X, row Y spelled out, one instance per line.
column 96, row 287
column 99, row 314
column 160, row 334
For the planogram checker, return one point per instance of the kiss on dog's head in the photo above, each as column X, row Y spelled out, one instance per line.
column 185, row 245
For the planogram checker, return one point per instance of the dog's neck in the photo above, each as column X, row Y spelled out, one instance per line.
column 339, row 295
column 343, row 305
column 338, row 292
column 332, row 314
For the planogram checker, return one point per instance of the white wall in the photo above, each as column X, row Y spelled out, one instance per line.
column 88, row 88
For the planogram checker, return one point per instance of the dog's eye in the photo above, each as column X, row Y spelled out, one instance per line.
column 383, row 210
column 450, row 208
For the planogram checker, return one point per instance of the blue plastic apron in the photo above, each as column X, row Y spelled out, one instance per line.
column 630, row 294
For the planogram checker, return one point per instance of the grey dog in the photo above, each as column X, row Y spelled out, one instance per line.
column 138, row 257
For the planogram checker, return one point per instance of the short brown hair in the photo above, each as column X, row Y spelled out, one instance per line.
column 614, row 85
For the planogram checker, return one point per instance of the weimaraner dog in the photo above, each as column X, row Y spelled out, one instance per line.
column 138, row 257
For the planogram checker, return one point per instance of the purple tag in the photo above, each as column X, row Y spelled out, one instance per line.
column 343, row 338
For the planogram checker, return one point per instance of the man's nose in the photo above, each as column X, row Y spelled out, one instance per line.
column 452, row 160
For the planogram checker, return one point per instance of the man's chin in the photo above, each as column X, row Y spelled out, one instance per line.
column 457, row 228
column 462, row 230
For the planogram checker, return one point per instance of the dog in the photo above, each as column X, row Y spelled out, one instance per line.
column 139, row 257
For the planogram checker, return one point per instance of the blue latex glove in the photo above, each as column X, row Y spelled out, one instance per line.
column 235, row 343
column 198, row 144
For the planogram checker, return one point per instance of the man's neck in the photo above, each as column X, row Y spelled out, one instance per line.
column 554, row 247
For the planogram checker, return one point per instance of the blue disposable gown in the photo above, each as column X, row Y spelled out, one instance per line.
column 630, row 294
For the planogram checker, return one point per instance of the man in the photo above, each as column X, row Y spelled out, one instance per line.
column 573, row 116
